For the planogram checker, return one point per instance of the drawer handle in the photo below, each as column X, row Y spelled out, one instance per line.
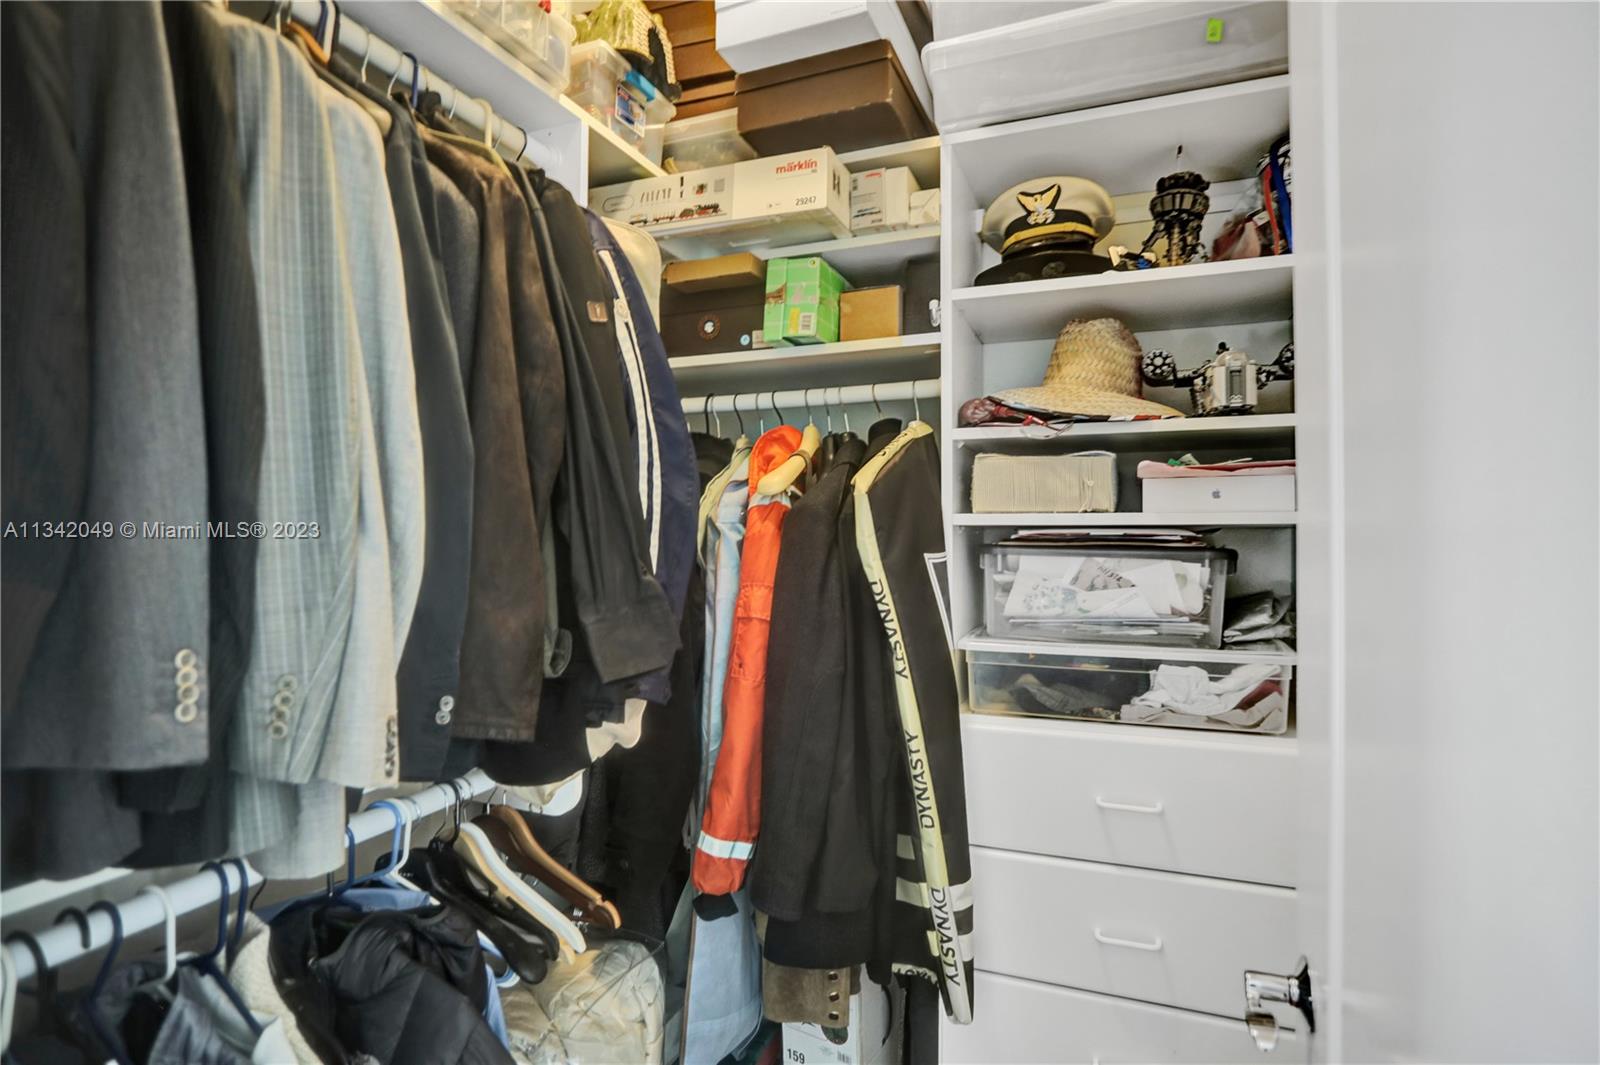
column 1128, row 807
column 1131, row 944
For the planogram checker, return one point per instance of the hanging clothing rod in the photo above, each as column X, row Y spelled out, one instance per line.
column 363, row 45
column 62, row 943
column 796, row 399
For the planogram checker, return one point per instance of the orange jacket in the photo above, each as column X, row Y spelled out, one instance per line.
column 733, row 810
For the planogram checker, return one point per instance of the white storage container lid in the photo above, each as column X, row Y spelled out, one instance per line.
column 1103, row 53
column 957, row 18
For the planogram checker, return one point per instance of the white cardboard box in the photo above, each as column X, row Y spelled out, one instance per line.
column 867, row 1041
column 1166, row 495
column 880, row 199
column 698, row 195
column 795, row 191
column 925, row 208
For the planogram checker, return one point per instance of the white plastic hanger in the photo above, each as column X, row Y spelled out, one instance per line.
column 475, row 847
column 170, row 928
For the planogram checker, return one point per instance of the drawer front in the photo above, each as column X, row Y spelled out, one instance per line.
column 1210, row 805
column 1021, row 1022
column 1159, row 937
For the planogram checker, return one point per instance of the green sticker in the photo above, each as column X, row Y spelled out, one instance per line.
column 1213, row 31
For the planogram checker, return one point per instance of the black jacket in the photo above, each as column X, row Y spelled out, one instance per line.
column 408, row 988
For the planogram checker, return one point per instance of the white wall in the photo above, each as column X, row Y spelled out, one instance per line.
column 1467, row 172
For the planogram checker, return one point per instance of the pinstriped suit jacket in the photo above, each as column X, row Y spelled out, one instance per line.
column 311, row 457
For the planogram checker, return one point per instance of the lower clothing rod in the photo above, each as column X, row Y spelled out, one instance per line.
column 389, row 62
column 753, row 402
column 63, row 943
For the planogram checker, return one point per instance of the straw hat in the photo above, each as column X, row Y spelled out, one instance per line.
column 1093, row 371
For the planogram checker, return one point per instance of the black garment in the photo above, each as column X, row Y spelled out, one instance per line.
column 502, row 646
column 188, row 809
column 632, row 825
column 805, row 711
column 430, row 667
column 407, row 988
column 902, row 533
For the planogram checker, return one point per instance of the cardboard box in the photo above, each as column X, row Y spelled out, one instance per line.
column 869, row 313
column 687, row 22
column 866, row 1040
column 705, row 98
column 880, row 199
column 802, row 302
column 699, row 194
column 853, row 98
column 807, row 192
column 698, row 62
column 724, row 271
column 924, row 208
column 1169, row 495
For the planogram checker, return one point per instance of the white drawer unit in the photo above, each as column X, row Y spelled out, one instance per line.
column 1175, row 940
column 1215, row 805
column 1022, row 1022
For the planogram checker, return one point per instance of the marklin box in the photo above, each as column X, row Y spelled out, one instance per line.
column 699, row 195
column 802, row 302
column 880, row 199
column 805, row 194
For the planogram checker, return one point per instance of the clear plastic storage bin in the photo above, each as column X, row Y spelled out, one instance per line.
column 606, row 85
column 539, row 40
column 705, row 141
column 1169, row 596
column 1102, row 54
column 1225, row 696
column 596, row 69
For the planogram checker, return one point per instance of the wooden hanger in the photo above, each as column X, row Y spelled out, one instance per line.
column 509, row 832
column 782, row 478
column 476, row 852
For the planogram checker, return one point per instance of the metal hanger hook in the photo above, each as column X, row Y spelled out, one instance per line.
column 366, row 57
column 772, row 398
column 916, row 406
column 844, row 409
column 78, row 918
column 706, row 413
column 416, row 82
column 737, row 413
column 455, row 95
column 875, row 402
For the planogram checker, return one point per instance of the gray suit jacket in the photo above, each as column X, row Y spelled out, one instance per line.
column 312, row 454
column 117, row 677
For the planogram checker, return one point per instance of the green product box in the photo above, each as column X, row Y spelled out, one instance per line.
column 802, row 302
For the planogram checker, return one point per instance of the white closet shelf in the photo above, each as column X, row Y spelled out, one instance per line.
column 1256, row 428
column 1266, row 519
column 854, row 362
column 874, row 255
column 1155, row 735
column 1177, row 297
column 921, row 155
column 611, row 159
column 979, row 641
column 1127, row 147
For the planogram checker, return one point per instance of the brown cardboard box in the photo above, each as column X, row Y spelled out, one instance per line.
column 710, row 306
column 706, row 275
column 698, row 62
column 869, row 313
column 705, row 98
column 688, row 21
column 856, row 97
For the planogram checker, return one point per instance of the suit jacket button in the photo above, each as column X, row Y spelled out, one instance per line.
column 185, row 712
column 442, row 717
column 278, row 730
column 185, row 658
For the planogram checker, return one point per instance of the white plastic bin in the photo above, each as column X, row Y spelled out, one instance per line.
column 1168, row 596
column 957, row 18
column 539, row 40
column 705, row 141
column 1102, row 54
column 1223, row 696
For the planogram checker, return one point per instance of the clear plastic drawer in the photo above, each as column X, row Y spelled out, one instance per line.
column 1225, row 696
column 1172, row 597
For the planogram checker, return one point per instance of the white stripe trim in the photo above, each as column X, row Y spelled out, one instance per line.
column 723, row 848
column 910, row 891
column 904, row 847
column 648, row 445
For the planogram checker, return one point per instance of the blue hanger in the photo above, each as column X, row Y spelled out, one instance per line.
column 103, row 1031
column 207, row 962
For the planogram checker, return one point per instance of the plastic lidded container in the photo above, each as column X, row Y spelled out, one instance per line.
column 596, row 69
column 1224, row 696
column 536, row 38
column 1166, row 596
column 641, row 114
column 1119, row 51
column 705, row 141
